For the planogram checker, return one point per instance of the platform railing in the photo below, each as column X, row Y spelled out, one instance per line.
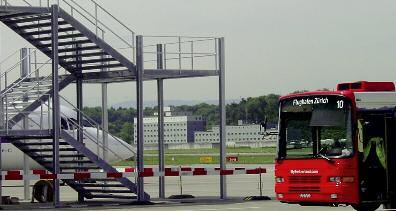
column 182, row 52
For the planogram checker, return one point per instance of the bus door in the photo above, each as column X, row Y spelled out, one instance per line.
column 375, row 130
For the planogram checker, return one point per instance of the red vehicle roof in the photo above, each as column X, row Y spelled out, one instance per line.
column 347, row 89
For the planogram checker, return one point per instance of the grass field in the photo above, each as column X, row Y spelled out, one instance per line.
column 209, row 151
column 182, row 157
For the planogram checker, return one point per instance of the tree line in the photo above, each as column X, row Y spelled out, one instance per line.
column 250, row 110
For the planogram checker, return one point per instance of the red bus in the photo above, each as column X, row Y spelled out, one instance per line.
column 338, row 147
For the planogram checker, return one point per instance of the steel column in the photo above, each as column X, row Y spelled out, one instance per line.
column 1, row 170
column 105, row 121
column 105, row 116
column 79, row 94
column 2, row 126
column 161, row 149
column 140, row 129
column 223, row 139
column 25, row 70
column 56, row 119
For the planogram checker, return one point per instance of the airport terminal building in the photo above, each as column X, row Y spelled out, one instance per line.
column 178, row 128
column 183, row 130
column 249, row 135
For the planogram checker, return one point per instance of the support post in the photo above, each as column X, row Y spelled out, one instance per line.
column 1, row 170
column 105, row 117
column 79, row 94
column 25, row 70
column 2, row 125
column 161, row 148
column 56, row 119
column 140, row 125
column 223, row 139
column 105, row 121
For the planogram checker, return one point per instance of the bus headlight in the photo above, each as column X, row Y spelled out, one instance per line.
column 342, row 179
column 334, row 179
column 279, row 179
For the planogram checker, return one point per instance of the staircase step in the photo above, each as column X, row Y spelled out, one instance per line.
column 111, row 196
column 39, row 25
column 18, row 105
column 15, row 15
column 65, row 43
column 66, row 29
column 29, row 88
column 93, row 54
column 29, row 19
column 39, row 144
column 93, row 185
column 98, row 67
column 108, row 191
column 83, row 48
column 103, row 60
column 34, row 92
column 71, row 162
column 50, row 150
column 61, row 155
column 60, row 37
column 79, row 167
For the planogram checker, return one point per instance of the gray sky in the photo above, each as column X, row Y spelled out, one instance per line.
column 272, row 46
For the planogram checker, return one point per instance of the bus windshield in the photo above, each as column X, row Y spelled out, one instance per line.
column 315, row 126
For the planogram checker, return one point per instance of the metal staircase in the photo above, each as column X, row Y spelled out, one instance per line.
column 79, row 48
column 25, row 101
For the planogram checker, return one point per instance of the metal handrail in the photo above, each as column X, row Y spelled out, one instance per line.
column 74, row 9
column 22, row 79
column 116, row 19
column 99, row 21
column 25, row 115
column 77, row 7
column 88, row 135
column 93, row 139
column 17, row 64
column 201, row 39
column 96, row 124
column 10, row 56
column 183, row 57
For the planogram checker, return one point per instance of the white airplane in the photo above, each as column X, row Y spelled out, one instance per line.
column 12, row 157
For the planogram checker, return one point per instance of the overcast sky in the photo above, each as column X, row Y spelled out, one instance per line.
column 272, row 46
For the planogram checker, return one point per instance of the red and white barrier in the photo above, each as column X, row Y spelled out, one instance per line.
column 128, row 172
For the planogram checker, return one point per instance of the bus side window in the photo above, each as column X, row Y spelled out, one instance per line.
column 360, row 135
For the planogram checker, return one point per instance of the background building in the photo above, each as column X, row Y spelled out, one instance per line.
column 178, row 130
column 249, row 135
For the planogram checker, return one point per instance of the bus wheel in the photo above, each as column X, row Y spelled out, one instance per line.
column 366, row 207
column 43, row 191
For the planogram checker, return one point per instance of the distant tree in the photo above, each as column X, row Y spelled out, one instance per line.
column 126, row 132
column 251, row 109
